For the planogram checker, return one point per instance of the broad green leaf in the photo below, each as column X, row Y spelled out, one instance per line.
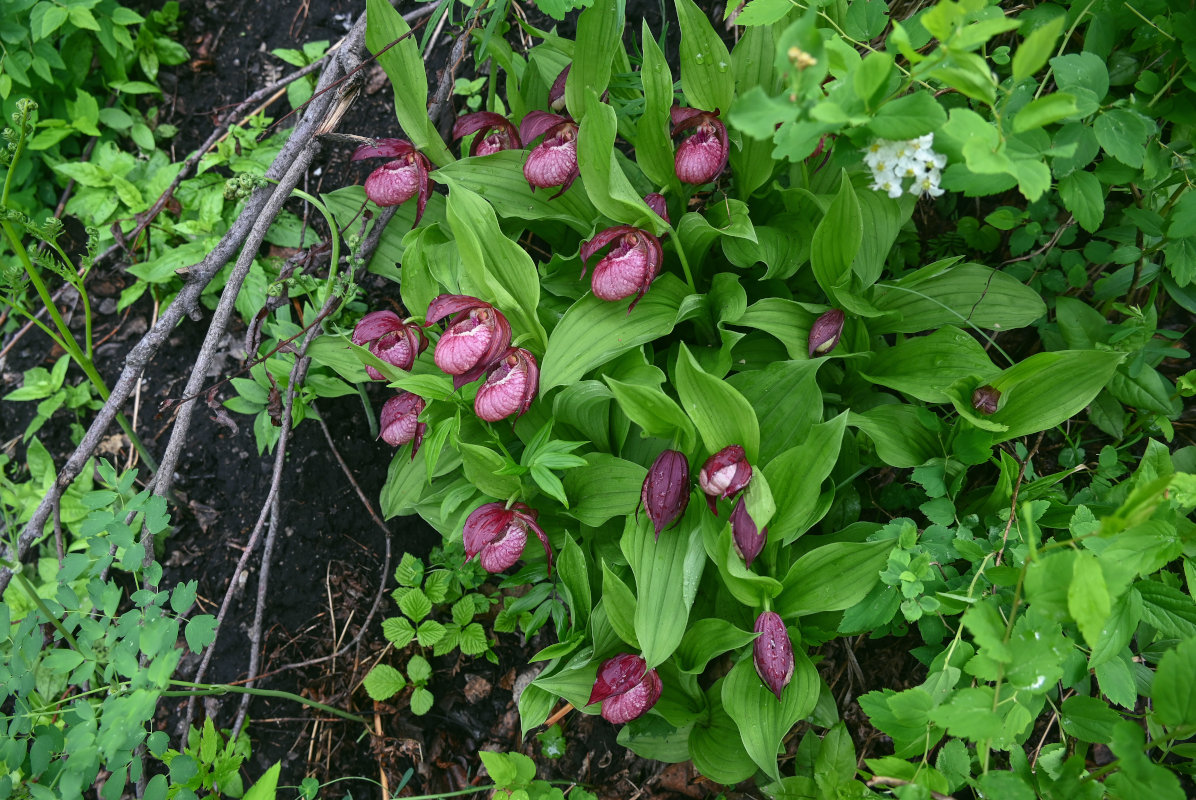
column 1122, row 134
column 653, row 144
column 404, row 66
column 715, row 745
column 603, row 178
column 606, row 487
column 1044, row 111
column 706, row 639
column 837, row 240
column 801, row 470
column 721, row 414
column 832, row 577
column 965, row 295
column 706, row 77
column 787, row 320
column 1174, row 687
column 1083, row 195
column 535, row 704
column 1088, row 718
column 882, row 217
column 925, row 367
column 667, row 571
column 751, row 62
column 654, row 411
column 495, row 262
column 575, row 577
column 1041, row 392
column 266, row 787
column 619, row 602
column 746, row 586
column 384, row 682
column 1088, row 598
column 593, row 331
column 897, row 431
column 764, row 721
column 787, row 400
column 481, row 465
column 1034, row 51
column 499, row 179
column 599, row 36
column 908, row 117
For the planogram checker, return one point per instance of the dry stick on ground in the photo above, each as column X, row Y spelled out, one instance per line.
column 232, row 117
column 297, row 375
column 187, row 301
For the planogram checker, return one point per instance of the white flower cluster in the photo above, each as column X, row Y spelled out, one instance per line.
column 894, row 162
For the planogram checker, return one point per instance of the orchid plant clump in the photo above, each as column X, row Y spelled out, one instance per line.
column 762, row 327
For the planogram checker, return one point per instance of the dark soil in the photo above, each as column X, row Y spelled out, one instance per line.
column 326, row 569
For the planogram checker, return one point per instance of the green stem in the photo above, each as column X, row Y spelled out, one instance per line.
column 67, row 341
column 218, row 689
column 16, row 156
column 369, row 411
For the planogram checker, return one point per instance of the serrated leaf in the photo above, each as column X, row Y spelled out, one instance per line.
column 415, row 604
column 430, row 632
column 398, row 631
column 384, row 682
column 419, row 670
column 421, row 701
column 473, row 640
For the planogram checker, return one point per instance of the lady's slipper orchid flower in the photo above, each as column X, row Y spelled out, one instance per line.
column 628, row 268
column 510, row 387
column 626, row 688
column 657, row 203
column 724, row 474
column 986, row 399
column 399, row 421
column 390, row 339
column 556, row 95
column 553, row 162
column 746, row 537
column 665, row 493
column 497, row 535
column 398, row 180
column 825, row 332
column 703, row 154
column 474, row 339
column 772, row 652
column 494, row 133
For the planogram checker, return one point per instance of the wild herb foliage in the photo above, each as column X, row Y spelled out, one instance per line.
column 84, row 662
column 871, row 411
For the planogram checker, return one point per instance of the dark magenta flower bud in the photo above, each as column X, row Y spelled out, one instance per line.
column 556, row 95
column 657, row 203
column 474, row 339
column 497, row 535
column 626, row 688
column 494, row 133
column 746, row 537
column 825, row 332
column 390, row 339
column 510, row 386
column 553, row 162
column 703, row 154
column 772, row 652
column 985, row 399
column 398, row 180
column 628, row 268
column 399, row 421
column 724, row 474
column 665, row 493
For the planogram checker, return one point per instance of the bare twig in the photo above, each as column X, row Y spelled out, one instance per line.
column 297, row 146
column 1021, row 474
